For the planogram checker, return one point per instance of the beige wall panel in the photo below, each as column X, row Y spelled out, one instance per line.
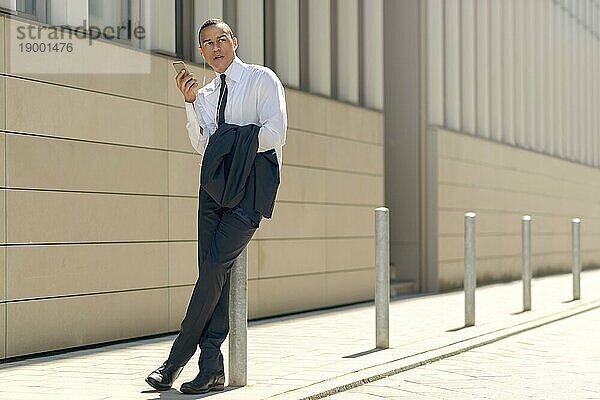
column 129, row 85
column 253, row 299
column 332, row 117
column 475, row 199
column 291, row 257
column 3, row 104
column 184, row 174
column 497, row 247
column 347, row 121
column 68, row 322
column 302, row 184
column 372, row 126
column 350, row 253
column 322, row 186
column 2, row 44
column 44, row 271
column 451, row 274
column 466, row 147
column 183, row 263
column 473, row 149
column 459, row 172
column 83, row 217
column 311, row 150
column 289, row 294
column 305, row 149
column 452, row 222
column 590, row 257
column 179, row 297
column 253, row 259
column 183, row 218
column 2, row 331
column 177, row 137
column 463, row 198
column 100, row 117
column 49, row 163
column 452, row 248
column 294, row 221
column 550, row 243
column 352, row 156
column 2, row 148
column 3, row 216
column 297, row 220
column 300, row 105
column 350, row 221
column 2, row 276
column 555, row 262
column 350, row 286
column 355, row 189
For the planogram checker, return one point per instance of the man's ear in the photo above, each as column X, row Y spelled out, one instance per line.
column 235, row 43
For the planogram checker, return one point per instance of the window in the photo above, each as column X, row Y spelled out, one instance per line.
column 110, row 12
column 31, row 9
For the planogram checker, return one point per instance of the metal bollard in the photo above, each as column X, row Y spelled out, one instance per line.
column 526, row 261
column 576, row 257
column 382, row 278
column 470, row 276
column 238, row 321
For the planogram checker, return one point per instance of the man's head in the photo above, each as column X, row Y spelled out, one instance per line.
column 217, row 44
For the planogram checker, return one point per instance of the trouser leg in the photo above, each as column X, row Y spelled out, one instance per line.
column 231, row 236
column 211, row 359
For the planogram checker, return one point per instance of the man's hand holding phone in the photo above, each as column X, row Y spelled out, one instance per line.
column 186, row 82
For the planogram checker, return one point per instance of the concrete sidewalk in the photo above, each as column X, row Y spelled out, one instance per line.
column 313, row 354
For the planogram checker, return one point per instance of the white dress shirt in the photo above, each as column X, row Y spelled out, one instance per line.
column 254, row 96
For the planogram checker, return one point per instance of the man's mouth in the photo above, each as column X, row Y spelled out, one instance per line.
column 217, row 57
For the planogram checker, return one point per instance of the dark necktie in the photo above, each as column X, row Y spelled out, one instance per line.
column 222, row 101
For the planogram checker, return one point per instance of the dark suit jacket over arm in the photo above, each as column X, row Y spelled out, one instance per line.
column 234, row 174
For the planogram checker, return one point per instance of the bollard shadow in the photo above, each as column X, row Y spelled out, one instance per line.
column 458, row 329
column 174, row 394
column 569, row 301
column 519, row 312
column 363, row 353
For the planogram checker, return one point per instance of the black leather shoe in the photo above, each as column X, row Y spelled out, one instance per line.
column 204, row 382
column 164, row 376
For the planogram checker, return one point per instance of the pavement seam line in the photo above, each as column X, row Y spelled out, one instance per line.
column 529, row 325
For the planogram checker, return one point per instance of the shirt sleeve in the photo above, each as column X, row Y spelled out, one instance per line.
column 272, row 112
column 195, row 127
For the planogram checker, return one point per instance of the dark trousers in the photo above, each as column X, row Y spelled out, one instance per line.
column 222, row 235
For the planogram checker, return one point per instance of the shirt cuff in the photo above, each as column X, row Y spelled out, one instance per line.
column 190, row 112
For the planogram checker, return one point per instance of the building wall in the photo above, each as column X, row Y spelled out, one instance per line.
column 518, row 72
column 501, row 183
column 99, row 191
column 512, row 89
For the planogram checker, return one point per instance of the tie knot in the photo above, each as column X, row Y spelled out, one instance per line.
column 223, row 78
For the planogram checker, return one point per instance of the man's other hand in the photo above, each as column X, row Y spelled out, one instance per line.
column 187, row 85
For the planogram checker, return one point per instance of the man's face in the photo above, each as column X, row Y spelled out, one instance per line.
column 217, row 46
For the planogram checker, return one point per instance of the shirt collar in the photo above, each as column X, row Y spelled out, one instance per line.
column 235, row 70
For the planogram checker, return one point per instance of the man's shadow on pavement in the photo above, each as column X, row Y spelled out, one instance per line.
column 173, row 394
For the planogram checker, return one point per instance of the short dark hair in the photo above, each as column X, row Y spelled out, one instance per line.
column 214, row 21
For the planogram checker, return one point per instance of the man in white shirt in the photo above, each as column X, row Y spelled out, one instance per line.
column 241, row 94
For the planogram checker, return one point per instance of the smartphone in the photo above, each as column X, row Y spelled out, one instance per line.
column 179, row 66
